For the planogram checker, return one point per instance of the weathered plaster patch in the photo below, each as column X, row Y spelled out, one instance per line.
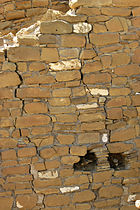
column 69, row 189
column 87, row 106
column 48, row 174
column 105, row 138
column 65, row 65
column 82, row 28
column 18, row 205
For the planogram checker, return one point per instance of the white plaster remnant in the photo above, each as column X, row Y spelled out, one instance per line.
column 51, row 174
column 138, row 93
column 137, row 204
column 97, row 91
column 131, row 198
column 65, row 65
column 68, row 189
column 105, row 138
column 34, row 172
column 19, row 205
column 82, row 28
column 87, row 106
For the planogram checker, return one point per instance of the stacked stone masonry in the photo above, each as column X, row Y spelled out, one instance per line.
column 16, row 14
column 70, row 110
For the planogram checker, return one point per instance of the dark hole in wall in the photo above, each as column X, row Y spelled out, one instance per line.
column 86, row 163
column 116, row 161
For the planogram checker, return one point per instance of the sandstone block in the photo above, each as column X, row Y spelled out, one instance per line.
column 6, row 93
column 104, row 39
column 87, row 3
column 88, row 11
column 65, row 139
column 126, row 173
column 119, row 147
column 88, row 117
column 6, row 202
column 26, row 152
column 107, row 203
column 41, row 3
column 92, row 67
column 47, row 153
column 97, row 91
column 59, row 102
column 36, row 108
column 36, row 66
column 69, row 189
column 94, row 126
column 15, row 170
column 110, row 192
column 33, row 93
column 26, row 201
column 61, row 92
column 8, row 143
column 115, row 113
column 39, row 79
column 87, row 54
column 49, row 55
column 23, row 4
column 55, row 27
column 24, row 54
column 98, row 28
column 114, row 11
column 135, row 57
column 8, row 66
column 97, row 78
column 69, row 160
column 68, row 76
column 49, row 174
column 78, row 150
column 136, row 100
column 119, row 101
column 123, row 134
column 73, row 180
column 119, row 91
column 121, row 3
column 73, row 41
column 68, row 53
column 120, row 59
column 47, row 39
column 57, row 200
column 13, row 15
column 63, row 118
column 32, row 120
column 83, row 196
column 114, row 25
column 88, row 138
column 9, row 79
column 51, row 164
column 9, row 155
column 102, row 176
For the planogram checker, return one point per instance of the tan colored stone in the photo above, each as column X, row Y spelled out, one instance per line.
column 33, row 93
column 88, row 138
column 123, row 134
column 69, row 160
column 119, row 147
column 6, row 203
column 57, row 200
column 24, row 54
column 36, row 108
column 110, row 192
column 83, row 196
column 104, row 39
column 99, row 28
column 63, row 118
column 114, row 11
column 87, row 3
column 94, row 126
column 9, row 79
column 49, row 55
column 68, row 53
column 32, row 120
column 114, row 25
column 88, row 117
column 97, row 78
column 9, row 155
column 78, row 150
column 55, row 27
column 73, row 40
column 114, row 113
column 91, row 67
column 135, row 57
column 121, row 3
column 107, row 203
column 120, row 59
column 59, row 102
column 65, row 139
column 119, row 91
column 68, row 76
column 8, row 66
column 102, row 176
column 27, row 201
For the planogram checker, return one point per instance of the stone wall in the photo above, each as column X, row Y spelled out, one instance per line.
column 70, row 111
column 15, row 14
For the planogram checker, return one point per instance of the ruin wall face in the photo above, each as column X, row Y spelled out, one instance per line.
column 70, row 111
column 16, row 14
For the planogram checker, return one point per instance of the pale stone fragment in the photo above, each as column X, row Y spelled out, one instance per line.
column 19, row 206
column 8, row 66
column 65, row 65
column 96, row 91
column 105, row 138
column 48, row 174
column 69, row 189
column 82, row 28
column 137, row 204
column 87, row 106
column 131, row 198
